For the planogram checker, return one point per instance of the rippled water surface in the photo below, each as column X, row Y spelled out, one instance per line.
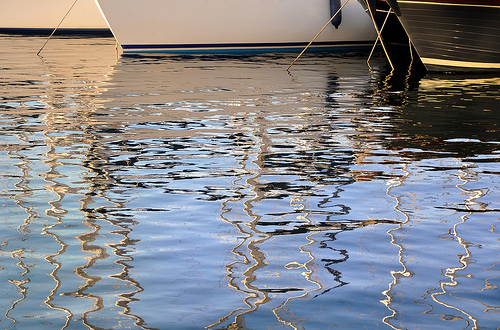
column 225, row 193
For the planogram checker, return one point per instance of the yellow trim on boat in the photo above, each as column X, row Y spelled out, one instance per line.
column 448, row 4
column 463, row 64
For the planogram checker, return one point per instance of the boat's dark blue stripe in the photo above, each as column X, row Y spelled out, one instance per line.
column 246, row 45
column 101, row 32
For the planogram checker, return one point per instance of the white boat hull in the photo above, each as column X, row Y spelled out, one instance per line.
column 45, row 15
column 233, row 26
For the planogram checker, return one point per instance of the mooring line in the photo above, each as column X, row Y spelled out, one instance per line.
column 46, row 41
column 317, row 35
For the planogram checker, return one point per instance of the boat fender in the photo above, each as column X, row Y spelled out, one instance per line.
column 334, row 7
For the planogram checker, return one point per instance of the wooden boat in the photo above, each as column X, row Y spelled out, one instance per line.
column 43, row 16
column 235, row 26
column 453, row 35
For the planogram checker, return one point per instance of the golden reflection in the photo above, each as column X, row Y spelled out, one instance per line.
column 460, row 82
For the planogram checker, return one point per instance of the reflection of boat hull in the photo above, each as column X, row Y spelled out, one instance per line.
column 454, row 35
column 233, row 26
column 42, row 17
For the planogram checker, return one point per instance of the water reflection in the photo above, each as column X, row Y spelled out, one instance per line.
column 167, row 192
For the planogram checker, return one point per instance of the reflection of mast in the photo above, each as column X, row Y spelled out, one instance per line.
column 253, row 295
column 396, row 275
column 449, row 301
column 100, row 180
column 22, row 290
column 463, row 259
column 98, row 253
column 57, row 213
column 23, row 185
column 308, row 273
column 61, row 189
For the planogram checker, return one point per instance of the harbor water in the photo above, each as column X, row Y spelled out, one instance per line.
column 208, row 192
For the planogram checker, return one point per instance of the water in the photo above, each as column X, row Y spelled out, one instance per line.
column 225, row 193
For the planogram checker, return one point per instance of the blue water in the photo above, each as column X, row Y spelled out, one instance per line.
column 177, row 192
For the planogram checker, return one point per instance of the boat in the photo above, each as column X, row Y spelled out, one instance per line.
column 44, row 16
column 393, row 37
column 236, row 26
column 453, row 35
